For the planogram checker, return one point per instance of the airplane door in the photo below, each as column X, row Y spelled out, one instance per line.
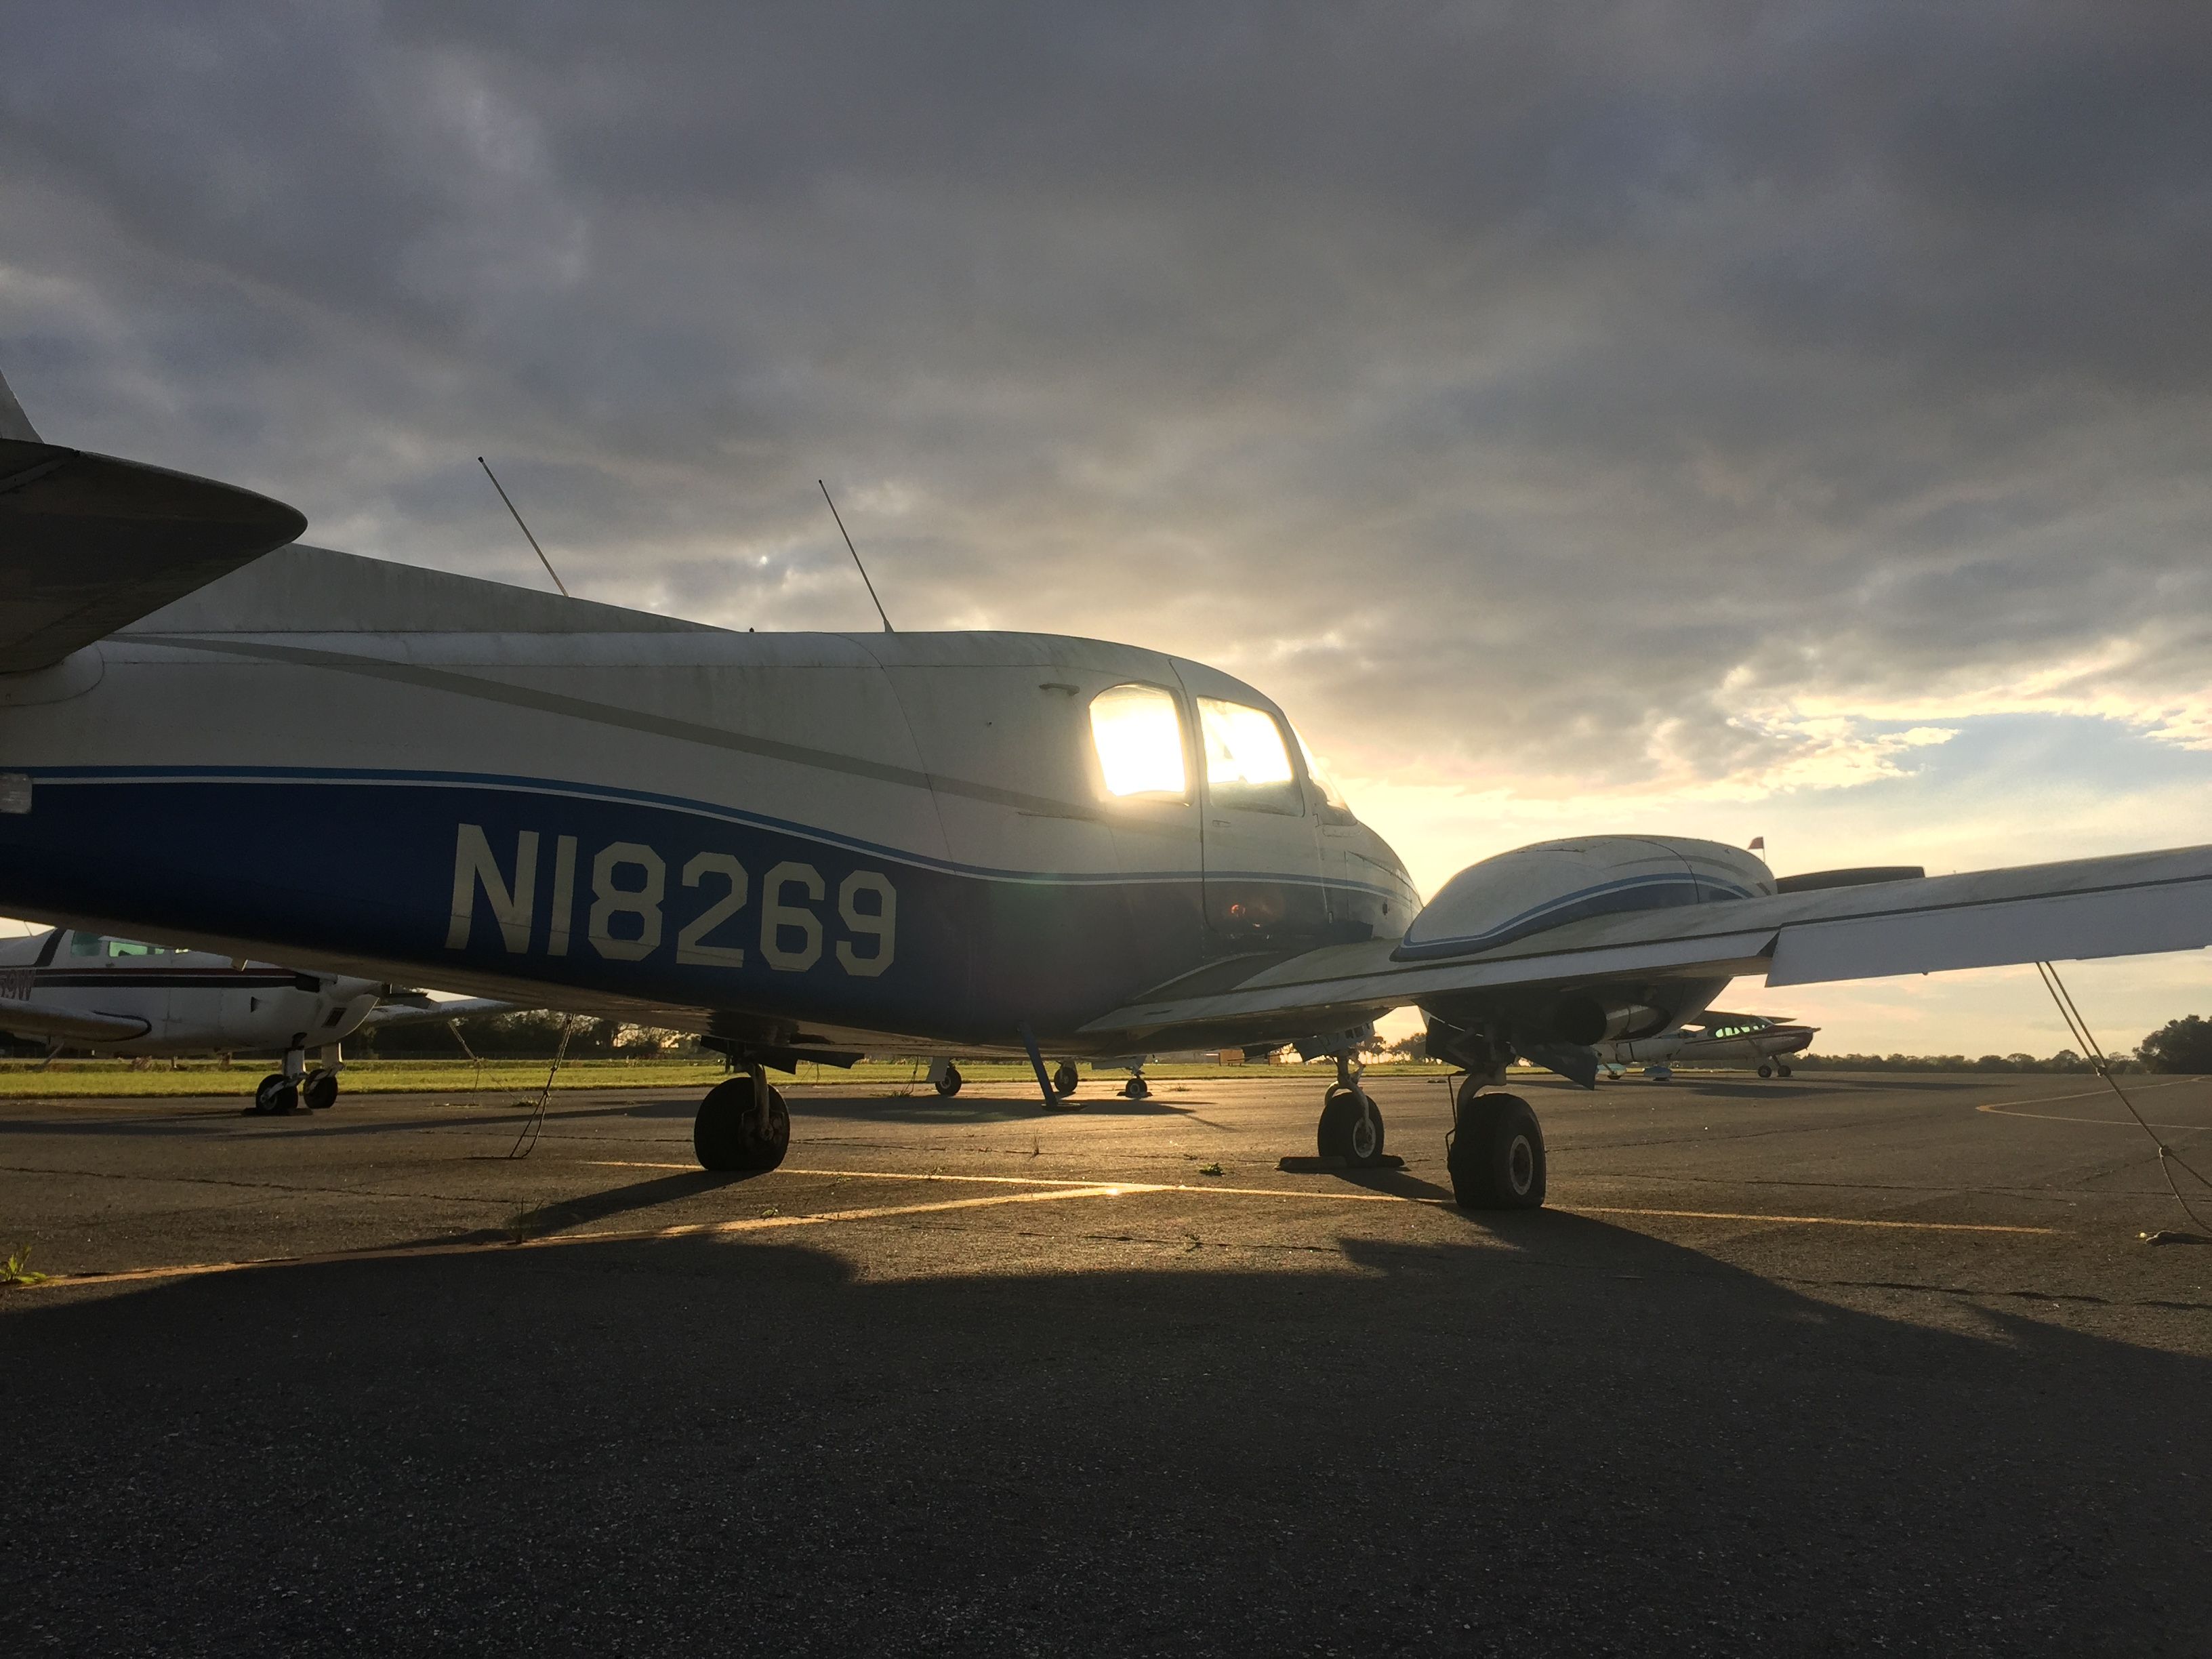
column 1264, row 887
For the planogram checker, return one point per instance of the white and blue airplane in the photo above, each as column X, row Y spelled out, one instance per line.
column 68, row 988
column 1733, row 1042
column 811, row 845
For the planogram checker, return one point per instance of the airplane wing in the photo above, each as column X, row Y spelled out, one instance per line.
column 90, row 543
column 57, row 1025
column 2086, row 907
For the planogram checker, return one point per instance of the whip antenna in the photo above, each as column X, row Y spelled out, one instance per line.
column 525, row 529
column 855, row 552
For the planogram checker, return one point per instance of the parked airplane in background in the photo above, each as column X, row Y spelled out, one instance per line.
column 809, row 845
column 1712, row 1038
column 117, row 996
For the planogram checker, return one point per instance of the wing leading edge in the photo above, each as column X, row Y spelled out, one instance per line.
column 2123, row 906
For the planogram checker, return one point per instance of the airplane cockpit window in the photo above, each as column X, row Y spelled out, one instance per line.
column 1137, row 735
column 1319, row 774
column 93, row 945
column 1247, row 762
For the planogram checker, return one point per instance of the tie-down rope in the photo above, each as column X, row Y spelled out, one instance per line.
column 2080, row 1028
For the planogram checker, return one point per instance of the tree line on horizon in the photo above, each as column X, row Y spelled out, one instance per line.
column 2182, row 1046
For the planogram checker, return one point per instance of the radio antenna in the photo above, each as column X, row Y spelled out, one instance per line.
column 525, row 529
column 855, row 552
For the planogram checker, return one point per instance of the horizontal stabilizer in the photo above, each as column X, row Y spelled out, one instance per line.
column 89, row 543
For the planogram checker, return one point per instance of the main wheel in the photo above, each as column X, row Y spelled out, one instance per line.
column 1780, row 1068
column 1065, row 1077
column 318, row 1089
column 728, row 1134
column 1136, row 1089
column 1350, row 1126
column 276, row 1095
column 949, row 1080
column 1497, row 1153
column 1765, row 1070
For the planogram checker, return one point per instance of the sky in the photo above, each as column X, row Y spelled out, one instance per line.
column 1717, row 419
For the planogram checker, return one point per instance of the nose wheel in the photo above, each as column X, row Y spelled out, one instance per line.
column 1350, row 1126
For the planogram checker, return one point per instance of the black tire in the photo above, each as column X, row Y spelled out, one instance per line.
column 1781, row 1069
column 1766, row 1070
column 1497, row 1154
column 949, row 1080
column 276, row 1096
column 1066, row 1079
column 1136, row 1089
column 318, row 1089
column 1351, row 1127
column 726, row 1134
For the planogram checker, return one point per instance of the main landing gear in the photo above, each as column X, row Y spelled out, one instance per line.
column 944, row 1078
column 1496, row 1151
column 1351, row 1125
column 1765, row 1070
column 743, row 1126
column 283, row 1093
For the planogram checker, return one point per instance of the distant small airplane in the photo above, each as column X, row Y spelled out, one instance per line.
column 1713, row 1038
column 68, row 988
column 813, row 846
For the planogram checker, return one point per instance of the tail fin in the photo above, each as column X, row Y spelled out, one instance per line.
column 88, row 543
column 14, row 424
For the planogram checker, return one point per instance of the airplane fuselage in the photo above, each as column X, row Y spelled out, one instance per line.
column 917, row 836
column 117, row 996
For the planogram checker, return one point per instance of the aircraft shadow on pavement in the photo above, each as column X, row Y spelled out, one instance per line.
column 1592, row 1441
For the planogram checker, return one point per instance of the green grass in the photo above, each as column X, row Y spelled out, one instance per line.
column 65, row 1079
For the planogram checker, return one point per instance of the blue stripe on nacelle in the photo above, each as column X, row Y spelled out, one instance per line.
column 1662, row 889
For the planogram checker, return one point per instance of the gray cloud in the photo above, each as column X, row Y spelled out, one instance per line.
column 1519, row 394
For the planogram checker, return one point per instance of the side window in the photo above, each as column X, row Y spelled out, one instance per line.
column 130, row 947
column 1138, row 736
column 87, row 944
column 1247, row 762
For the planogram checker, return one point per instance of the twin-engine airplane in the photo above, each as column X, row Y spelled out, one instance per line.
column 120, row 996
column 814, row 844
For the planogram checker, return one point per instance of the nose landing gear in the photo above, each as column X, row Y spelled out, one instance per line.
column 1351, row 1125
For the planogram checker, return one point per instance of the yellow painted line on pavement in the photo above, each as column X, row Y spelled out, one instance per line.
column 640, row 1235
column 2002, row 1108
column 1339, row 1196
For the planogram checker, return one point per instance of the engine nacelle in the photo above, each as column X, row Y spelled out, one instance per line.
column 1547, row 885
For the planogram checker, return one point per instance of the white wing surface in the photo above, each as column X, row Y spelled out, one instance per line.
column 2103, row 907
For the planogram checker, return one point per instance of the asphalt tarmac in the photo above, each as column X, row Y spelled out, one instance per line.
column 1831, row 1364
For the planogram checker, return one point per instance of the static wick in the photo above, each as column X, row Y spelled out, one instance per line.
column 855, row 552
column 524, row 528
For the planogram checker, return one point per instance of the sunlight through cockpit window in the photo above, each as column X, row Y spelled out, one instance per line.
column 1139, row 737
column 1247, row 763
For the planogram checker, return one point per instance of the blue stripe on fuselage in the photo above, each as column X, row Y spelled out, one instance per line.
column 333, row 863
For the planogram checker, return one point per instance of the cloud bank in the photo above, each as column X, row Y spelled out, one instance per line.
column 1656, row 402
